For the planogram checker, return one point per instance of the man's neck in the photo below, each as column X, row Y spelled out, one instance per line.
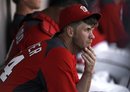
column 69, row 44
column 22, row 10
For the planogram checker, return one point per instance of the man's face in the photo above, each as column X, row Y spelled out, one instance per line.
column 83, row 35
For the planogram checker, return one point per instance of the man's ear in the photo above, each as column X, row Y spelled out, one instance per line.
column 70, row 31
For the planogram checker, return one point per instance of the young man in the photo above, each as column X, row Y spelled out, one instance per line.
column 38, row 26
column 50, row 66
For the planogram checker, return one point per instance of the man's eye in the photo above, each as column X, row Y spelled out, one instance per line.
column 88, row 30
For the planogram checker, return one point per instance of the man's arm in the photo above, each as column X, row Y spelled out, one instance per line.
column 89, row 57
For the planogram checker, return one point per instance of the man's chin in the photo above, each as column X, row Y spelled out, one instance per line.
column 88, row 45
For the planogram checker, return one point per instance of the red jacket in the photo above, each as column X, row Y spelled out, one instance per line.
column 43, row 67
column 35, row 28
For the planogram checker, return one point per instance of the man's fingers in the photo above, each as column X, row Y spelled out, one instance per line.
column 91, row 49
column 89, row 53
column 88, row 59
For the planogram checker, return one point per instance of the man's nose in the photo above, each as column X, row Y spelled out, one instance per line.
column 92, row 36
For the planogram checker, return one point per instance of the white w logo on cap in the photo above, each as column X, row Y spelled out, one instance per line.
column 83, row 8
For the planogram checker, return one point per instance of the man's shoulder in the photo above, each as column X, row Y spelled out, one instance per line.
column 37, row 16
column 32, row 19
column 56, row 46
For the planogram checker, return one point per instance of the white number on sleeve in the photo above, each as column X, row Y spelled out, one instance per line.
column 20, row 35
column 34, row 49
column 10, row 66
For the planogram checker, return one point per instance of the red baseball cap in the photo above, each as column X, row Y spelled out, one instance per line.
column 73, row 13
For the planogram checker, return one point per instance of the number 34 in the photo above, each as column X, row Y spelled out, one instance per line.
column 10, row 66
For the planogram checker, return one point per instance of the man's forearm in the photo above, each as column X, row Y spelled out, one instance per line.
column 84, row 84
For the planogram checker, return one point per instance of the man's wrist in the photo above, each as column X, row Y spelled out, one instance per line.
column 88, row 73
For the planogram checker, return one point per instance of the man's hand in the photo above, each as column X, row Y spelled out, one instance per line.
column 89, row 58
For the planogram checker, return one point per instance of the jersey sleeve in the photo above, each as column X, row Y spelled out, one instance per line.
column 27, row 35
column 59, row 71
